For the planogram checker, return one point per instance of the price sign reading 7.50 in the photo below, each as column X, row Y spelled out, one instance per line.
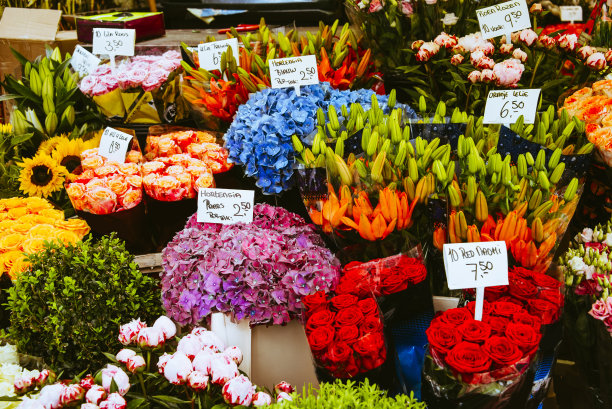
column 506, row 106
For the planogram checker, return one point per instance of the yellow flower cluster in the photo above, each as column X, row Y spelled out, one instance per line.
column 25, row 225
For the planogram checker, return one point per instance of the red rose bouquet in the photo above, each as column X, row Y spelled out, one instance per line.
column 345, row 334
column 480, row 363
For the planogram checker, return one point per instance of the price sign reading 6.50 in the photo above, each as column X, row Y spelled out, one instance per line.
column 209, row 54
column 506, row 106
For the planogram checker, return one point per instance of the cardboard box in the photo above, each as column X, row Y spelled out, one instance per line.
column 147, row 25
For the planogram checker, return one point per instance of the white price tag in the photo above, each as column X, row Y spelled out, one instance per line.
column 225, row 206
column 571, row 13
column 114, row 41
column 114, row 144
column 471, row 265
column 505, row 106
column 83, row 61
column 294, row 72
column 503, row 18
column 209, row 54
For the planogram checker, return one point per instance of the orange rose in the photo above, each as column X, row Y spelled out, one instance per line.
column 12, row 242
column 36, row 204
column 53, row 213
column 39, row 219
column 167, row 188
column 42, row 230
column 131, row 198
column 204, row 137
column 134, row 156
column 75, row 191
column 78, row 226
column 152, row 167
column 175, row 170
column 92, row 162
column 13, row 202
column 101, row 200
column 68, row 237
column 33, row 245
column 4, row 216
column 205, row 180
column 196, row 171
column 166, row 147
column 106, row 170
column 117, row 184
column 134, row 181
column 6, row 224
column 17, row 212
column 184, row 138
column 14, row 263
column 90, row 152
column 187, row 181
column 28, row 219
column 180, row 159
column 21, row 228
column 128, row 169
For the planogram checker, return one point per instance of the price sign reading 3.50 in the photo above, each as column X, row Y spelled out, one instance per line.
column 113, row 41
column 506, row 106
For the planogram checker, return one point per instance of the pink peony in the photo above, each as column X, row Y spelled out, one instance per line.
column 474, row 76
column 209, row 339
column 528, row 36
column 568, row 42
column 586, row 51
column 547, row 41
column 508, row 73
column 202, row 361
column 89, row 406
column 150, row 337
column 600, row 310
column 166, row 326
column 520, row 55
column 50, row 396
column 283, row 396
column 284, row 387
column 129, row 332
column 234, row 353
column 487, row 76
column 417, row 44
column 95, row 395
column 71, row 394
column 446, row 40
column 261, row 399
column 162, row 361
column 112, row 372
column 375, row 5
column 114, row 401
column 406, row 8
column 596, row 61
column 125, row 354
column 178, row 368
column 506, row 48
column 87, row 382
column 190, row 345
column 197, row 380
column 238, row 391
column 476, row 56
column 486, row 47
column 222, row 369
column 426, row 51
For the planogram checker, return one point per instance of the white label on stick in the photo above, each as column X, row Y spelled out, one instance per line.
column 83, row 61
column 209, row 54
column 114, row 144
column 505, row 106
column 571, row 13
column 294, row 71
column 225, row 206
column 114, row 41
column 480, row 264
column 503, row 18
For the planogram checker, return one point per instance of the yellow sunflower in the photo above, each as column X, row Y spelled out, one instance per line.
column 47, row 146
column 93, row 141
column 41, row 176
column 67, row 153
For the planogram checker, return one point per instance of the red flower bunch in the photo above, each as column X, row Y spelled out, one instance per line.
column 381, row 276
column 345, row 333
column 500, row 347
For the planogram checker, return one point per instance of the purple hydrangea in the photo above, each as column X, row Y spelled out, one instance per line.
column 259, row 271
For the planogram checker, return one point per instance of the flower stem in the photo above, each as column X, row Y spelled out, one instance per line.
column 535, row 68
column 148, row 361
column 142, row 385
column 467, row 100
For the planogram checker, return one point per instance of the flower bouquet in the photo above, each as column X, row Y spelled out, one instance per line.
column 153, row 370
column 481, row 364
column 108, row 195
column 26, row 224
column 259, row 271
column 141, row 89
column 215, row 96
column 180, row 162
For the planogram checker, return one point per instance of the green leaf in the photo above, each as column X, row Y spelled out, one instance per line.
column 219, row 406
column 8, row 97
column 110, row 357
column 22, row 60
column 10, row 399
column 19, row 139
column 135, row 403
column 22, row 90
column 170, row 399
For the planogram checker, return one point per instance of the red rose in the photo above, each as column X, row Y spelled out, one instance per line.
column 545, row 281
column 495, row 293
column 471, row 306
column 502, row 351
column 456, row 316
column 319, row 319
column 552, row 296
column 498, row 324
column 348, row 316
column 320, row 338
column 442, row 337
column 371, row 348
column 416, row 272
column 368, row 306
column 370, row 324
column 393, row 284
column 505, row 309
column 343, row 301
column 547, row 311
column 523, row 336
column 521, row 272
column 347, row 334
column 314, row 302
column 467, row 357
column 527, row 319
column 339, row 353
column 522, row 289
column 355, row 282
column 474, row 331
column 346, row 370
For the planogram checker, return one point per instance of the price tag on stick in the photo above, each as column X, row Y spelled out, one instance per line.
column 114, row 144
column 225, row 206
column 476, row 265
column 294, row 72
column 209, row 54
column 503, row 19
column 571, row 13
column 114, row 41
column 505, row 106
column 83, row 61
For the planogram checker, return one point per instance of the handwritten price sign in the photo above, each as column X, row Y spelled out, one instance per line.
column 505, row 106
column 471, row 265
column 83, row 61
column 114, row 144
column 114, row 41
column 503, row 19
column 209, row 54
column 294, row 72
column 225, row 206
column 571, row 13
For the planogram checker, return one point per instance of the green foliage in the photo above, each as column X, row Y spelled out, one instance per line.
column 340, row 395
column 68, row 306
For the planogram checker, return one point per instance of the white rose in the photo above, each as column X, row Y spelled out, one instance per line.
column 577, row 265
column 586, row 236
column 608, row 240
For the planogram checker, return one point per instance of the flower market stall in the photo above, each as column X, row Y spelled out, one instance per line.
column 406, row 208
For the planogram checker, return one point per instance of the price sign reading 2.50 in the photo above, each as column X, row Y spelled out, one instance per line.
column 294, row 72
column 113, row 41
column 225, row 206
column 242, row 208
column 506, row 106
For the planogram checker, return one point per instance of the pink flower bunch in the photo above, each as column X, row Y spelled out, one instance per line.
column 31, row 380
column 446, row 40
column 105, row 186
column 474, row 42
column 508, row 72
column 147, row 72
column 137, row 332
column 602, row 310
column 176, row 177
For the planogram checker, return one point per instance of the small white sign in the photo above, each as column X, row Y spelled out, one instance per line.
column 571, row 13
column 83, row 61
column 472, row 265
column 225, row 206
column 114, row 144
column 505, row 106
column 114, row 41
column 209, row 54
column 294, row 72
column 503, row 18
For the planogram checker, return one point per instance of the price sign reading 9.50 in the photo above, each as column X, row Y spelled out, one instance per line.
column 114, row 41
column 506, row 106
column 503, row 19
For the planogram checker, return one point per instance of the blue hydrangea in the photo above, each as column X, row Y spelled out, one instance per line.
column 259, row 139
